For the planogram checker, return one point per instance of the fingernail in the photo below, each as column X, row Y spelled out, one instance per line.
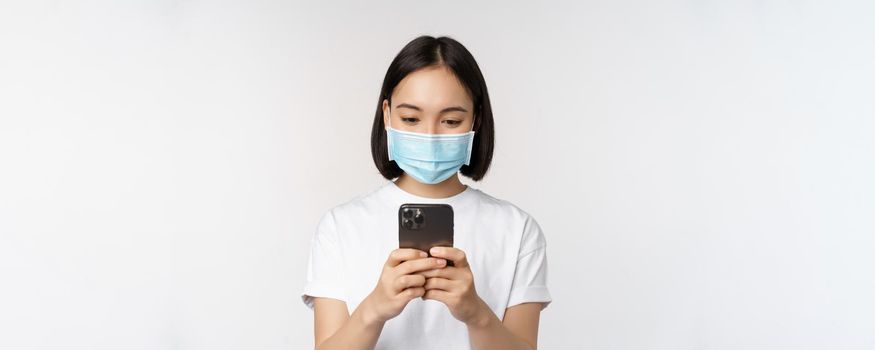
column 435, row 250
column 423, row 254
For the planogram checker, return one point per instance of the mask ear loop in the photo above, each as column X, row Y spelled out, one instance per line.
column 389, row 118
column 471, row 141
column 389, row 135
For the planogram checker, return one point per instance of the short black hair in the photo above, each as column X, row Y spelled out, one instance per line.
column 427, row 51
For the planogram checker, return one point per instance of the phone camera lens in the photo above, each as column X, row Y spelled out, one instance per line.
column 408, row 223
column 419, row 219
column 406, row 213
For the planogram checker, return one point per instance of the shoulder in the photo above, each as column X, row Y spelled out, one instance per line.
column 361, row 206
column 531, row 236
column 502, row 207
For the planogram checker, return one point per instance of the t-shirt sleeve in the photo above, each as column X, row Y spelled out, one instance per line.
column 530, row 279
column 324, row 265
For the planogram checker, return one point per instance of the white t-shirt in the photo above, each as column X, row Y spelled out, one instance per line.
column 505, row 248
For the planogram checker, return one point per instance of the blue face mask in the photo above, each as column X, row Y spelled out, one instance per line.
column 429, row 158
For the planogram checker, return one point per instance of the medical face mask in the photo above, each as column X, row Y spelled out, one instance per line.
column 429, row 158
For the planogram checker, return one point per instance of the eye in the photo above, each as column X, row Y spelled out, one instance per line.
column 409, row 119
column 452, row 122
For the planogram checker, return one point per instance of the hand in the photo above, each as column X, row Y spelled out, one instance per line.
column 399, row 283
column 454, row 285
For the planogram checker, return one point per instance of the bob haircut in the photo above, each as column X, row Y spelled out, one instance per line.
column 427, row 51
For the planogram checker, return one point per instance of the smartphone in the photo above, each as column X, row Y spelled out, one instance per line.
column 422, row 226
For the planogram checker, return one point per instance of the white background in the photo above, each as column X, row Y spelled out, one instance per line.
column 703, row 170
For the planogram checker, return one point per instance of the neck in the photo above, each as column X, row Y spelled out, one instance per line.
column 448, row 188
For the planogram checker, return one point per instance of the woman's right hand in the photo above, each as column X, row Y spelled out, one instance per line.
column 399, row 283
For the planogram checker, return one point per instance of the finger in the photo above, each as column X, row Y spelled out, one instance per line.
column 437, row 294
column 439, row 283
column 400, row 255
column 411, row 266
column 448, row 272
column 450, row 253
column 407, row 281
column 412, row 293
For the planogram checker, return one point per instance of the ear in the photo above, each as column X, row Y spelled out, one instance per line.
column 385, row 113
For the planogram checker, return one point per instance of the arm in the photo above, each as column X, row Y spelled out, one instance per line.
column 519, row 330
column 454, row 286
column 398, row 284
column 335, row 328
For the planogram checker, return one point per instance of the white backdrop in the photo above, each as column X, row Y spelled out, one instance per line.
column 702, row 169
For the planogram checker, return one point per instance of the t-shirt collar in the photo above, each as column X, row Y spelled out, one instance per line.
column 400, row 195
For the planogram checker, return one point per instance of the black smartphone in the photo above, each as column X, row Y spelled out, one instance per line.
column 422, row 226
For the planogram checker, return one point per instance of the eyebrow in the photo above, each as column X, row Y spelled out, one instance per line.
column 445, row 110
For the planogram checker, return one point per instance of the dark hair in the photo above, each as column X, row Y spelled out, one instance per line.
column 426, row 51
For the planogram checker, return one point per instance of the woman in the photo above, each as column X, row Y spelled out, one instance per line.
column 433, row 120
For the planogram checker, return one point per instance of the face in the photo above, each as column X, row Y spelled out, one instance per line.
column 430, row 101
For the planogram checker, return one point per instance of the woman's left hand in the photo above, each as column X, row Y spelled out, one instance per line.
column 454, row 285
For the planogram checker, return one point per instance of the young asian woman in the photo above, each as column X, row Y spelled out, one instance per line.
column 433, row 123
